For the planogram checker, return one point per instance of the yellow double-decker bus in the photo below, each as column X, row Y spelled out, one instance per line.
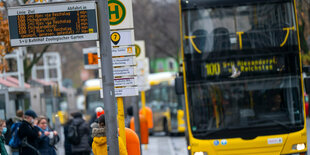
column 242, row 77
column 167, row 108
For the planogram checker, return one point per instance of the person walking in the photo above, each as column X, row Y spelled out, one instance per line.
column 29, row 134
column 48, row 137
column 3, row 130
column 16, row 121
column 83, row 130
column 99, row 145
column 67, row 144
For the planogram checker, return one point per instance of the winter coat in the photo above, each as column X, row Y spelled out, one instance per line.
column 44, row 145
column 26, row 130
column 83, row 131
column 100, row 143
column 67, row 145
column 2, row 147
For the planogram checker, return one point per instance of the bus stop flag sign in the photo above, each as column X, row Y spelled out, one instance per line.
column 120, row 14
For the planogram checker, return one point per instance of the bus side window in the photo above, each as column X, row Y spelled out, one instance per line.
column 221, row 39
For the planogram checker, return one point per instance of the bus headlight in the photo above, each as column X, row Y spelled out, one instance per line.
column 300, row 146
column 200, row 153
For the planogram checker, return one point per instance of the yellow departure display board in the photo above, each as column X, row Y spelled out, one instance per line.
column 53, row 23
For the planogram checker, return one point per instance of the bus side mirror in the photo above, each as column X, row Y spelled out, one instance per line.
column 179, row 85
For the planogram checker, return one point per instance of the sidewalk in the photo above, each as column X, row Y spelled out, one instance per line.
column 60, row 145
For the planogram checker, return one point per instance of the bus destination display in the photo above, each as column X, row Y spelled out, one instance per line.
column 244, row 67
column 53, row 23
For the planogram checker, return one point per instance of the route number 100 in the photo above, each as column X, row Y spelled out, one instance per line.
column 213, row 69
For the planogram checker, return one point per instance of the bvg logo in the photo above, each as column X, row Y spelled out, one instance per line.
column 117, row 12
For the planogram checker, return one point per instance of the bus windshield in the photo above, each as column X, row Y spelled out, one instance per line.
column 242, row 70
column 93, row 101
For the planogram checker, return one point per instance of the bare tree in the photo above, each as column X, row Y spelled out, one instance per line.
column 157, row 22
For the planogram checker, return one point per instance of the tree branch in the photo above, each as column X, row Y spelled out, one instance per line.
column 35, row 60
column 162, row 50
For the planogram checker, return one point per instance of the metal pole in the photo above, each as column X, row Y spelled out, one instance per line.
column 107, row 77
column 137, row 118
column 20, row 66
column 55, row 108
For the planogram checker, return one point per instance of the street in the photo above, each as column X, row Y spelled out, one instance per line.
column 164, row 145
column 158, row 145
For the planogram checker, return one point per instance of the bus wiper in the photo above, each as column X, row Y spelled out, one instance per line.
column 287, row 127
column 215, row 131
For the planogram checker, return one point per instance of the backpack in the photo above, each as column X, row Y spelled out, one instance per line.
column 15, row 141
column 73, row 134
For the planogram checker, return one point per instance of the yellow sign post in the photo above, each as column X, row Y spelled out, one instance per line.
column 143, row 109
column 121, row 120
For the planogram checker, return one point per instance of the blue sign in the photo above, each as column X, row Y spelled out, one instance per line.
column 224, row 142
column 216, row 142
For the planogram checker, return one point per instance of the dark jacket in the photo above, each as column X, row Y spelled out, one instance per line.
column 26, row 130
column 44, row 145
column 8, row 134
column 67, row 145
column 2, row 147
column 83, row 131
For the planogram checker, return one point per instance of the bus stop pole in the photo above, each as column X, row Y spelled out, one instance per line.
column 107, row 77
column 136, row 118
column 121, row 118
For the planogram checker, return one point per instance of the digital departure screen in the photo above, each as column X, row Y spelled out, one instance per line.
column 53, row 23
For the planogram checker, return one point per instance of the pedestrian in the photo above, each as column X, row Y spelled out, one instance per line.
column 67, row 145
column 94, row 120
column 16, row 121
column 129, row 116
column 83, row 130
column 3, row 130
column 29, row 134
column 48, row 137
column 100, row 140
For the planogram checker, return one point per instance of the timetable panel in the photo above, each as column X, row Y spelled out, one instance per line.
column 68, row 23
